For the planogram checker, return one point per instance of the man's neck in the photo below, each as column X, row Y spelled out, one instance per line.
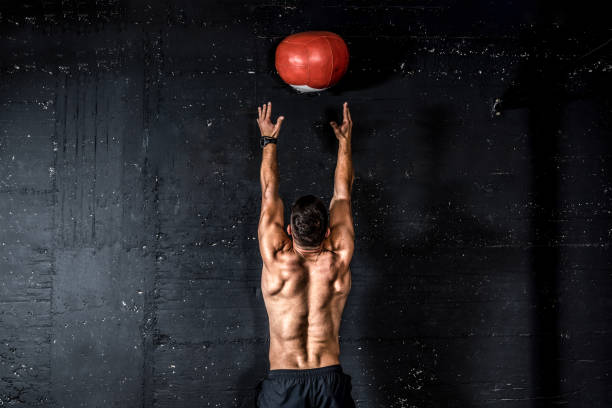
column 308, row 252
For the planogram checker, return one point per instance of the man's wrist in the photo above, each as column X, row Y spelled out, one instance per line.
column 267, row 140
column 344, row 143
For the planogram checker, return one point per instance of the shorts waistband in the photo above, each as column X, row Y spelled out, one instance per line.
column 307, row 372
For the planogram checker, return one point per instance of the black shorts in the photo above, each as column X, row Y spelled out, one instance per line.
column 324, row 387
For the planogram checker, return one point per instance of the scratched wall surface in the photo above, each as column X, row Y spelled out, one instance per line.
column 129, row 199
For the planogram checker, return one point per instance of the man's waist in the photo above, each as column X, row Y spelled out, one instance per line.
column 305, row 372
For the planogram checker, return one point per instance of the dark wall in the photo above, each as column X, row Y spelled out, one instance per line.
column 129, row 199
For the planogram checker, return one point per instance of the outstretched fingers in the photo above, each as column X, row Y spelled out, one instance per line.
column 264, row 111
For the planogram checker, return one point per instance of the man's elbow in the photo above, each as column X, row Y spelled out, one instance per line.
column 269, row 191
column 344, row 189
column 270, row 195
column 343, row 192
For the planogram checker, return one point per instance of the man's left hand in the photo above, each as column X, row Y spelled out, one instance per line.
column 266, row 126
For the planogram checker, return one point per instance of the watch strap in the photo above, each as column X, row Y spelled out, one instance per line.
column 264, row 140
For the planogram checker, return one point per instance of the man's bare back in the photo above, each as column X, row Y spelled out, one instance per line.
column 306, row 276
column 305, row 297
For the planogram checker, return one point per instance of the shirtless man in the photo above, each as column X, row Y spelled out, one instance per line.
column 305, row 280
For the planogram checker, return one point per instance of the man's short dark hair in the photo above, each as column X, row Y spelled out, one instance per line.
column 309, row 221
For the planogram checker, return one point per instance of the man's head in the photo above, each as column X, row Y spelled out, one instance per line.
column 309, row 222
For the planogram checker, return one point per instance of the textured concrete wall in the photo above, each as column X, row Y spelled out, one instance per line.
column 129, row 199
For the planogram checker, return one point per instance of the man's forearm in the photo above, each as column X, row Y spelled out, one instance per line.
column 269, row 171
column 344, row 174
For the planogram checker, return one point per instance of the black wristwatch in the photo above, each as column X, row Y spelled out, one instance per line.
column 264, row 140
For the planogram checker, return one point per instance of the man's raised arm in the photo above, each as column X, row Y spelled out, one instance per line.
column 270, row 230
column 269, row 164
column 342, row 233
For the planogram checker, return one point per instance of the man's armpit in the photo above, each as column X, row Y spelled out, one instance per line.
column 272, row 239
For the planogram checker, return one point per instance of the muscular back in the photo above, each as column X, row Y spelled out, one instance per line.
column 304, row 299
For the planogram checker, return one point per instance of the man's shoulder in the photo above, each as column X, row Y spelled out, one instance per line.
column 341, row 257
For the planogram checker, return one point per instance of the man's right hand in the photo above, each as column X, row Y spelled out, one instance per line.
column 343, row 132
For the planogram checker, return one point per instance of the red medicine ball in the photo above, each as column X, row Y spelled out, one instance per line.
column 312, row 61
